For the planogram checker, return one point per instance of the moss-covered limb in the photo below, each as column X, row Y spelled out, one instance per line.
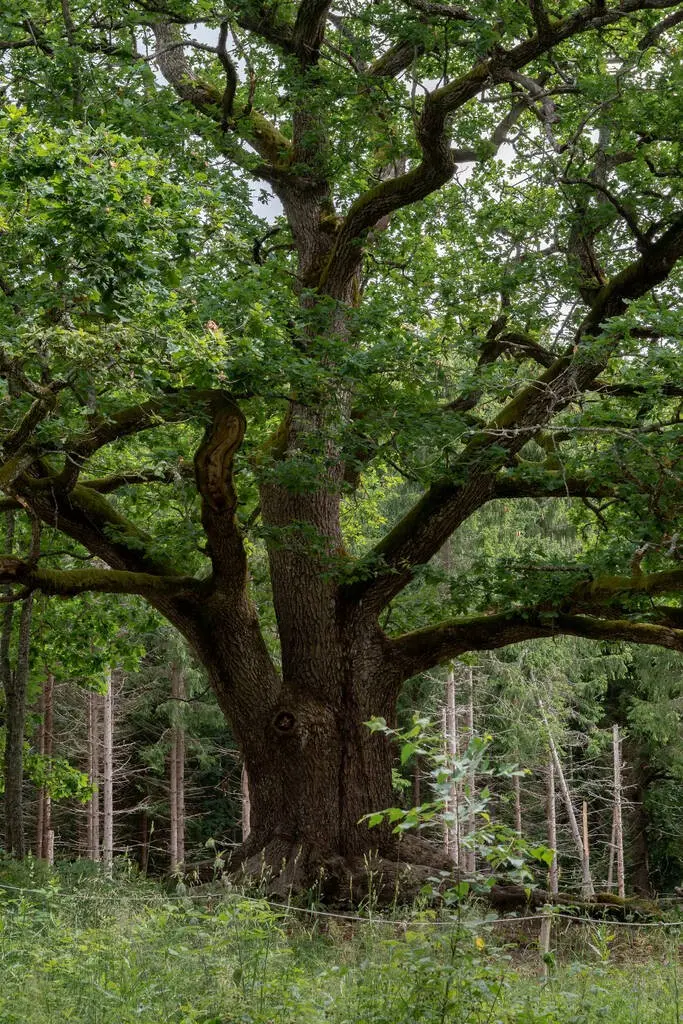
column 86, row 516
column 39, row 410
column 69, row 583
column 551, row 485
column 438, row 163
column 109, row 484
column 271, row 145
column 474, row 478
column 171, row 408
column 424, row 648
column 606, row 588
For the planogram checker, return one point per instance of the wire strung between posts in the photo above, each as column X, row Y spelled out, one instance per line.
column 313, row 912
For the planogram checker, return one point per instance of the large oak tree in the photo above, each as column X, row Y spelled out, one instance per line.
column 472, row 284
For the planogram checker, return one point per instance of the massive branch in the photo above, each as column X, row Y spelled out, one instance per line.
column 214, row 474
column 71, row 582
column 475, row 475
column 588, row 611
column 438, row 161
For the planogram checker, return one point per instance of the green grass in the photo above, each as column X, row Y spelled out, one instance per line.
column 86, row 950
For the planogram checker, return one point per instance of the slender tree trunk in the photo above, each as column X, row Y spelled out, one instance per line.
column 453, row 808
column 587, row 889
column 471, row 823
column 177, row 773
column 517, row 790
column 108, row 775
column 417, row 781
column 15, row 721
column 612, row 850
column 551, row 814
column 93, row 810
column 246, row 805
column 46, row 837
column 618, row 836
column 40, row 748
column 144, row 842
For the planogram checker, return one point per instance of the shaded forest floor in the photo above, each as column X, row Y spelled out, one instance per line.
column 75, row 947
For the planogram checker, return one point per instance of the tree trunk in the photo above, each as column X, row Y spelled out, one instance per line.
column 517, row 790
column 45, row 748
column 108, row 775
column 618, row 833
column 453, row 830
column 177, row 773
column 93, row 810
column 471, row 865
column 551, row 815
column 587, row 889
column 15, row 721
column 246, row 805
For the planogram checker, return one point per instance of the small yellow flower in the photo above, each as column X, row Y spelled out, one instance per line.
column 479, row 942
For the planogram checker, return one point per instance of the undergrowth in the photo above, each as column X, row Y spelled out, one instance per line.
column 80, row 948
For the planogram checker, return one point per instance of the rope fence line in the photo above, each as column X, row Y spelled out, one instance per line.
column 314, row 912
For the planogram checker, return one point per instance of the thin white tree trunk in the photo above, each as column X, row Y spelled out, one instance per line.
column 453, row 829
column 551, row 813
column 47, row 838
column 587, row 889
column 246, row 805
column 586, row 852
column 177, row 774
column 93, row 814
column 612, row 849
column 471, row 824
column 40, row 745
column 448, row 803
column 108, row 775
column 618, row 831
column 517, row 790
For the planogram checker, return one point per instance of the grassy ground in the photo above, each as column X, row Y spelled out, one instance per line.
column 86, row 950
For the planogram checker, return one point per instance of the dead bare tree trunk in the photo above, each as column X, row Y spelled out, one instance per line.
column 93, row 811
column 517, row 790
column 453, row 806
column 617, row 828
column 108, row 775
column 587, row 889
column 246, row 805
column 46, row 749
column 40, row 748
column 471, row 865
column 177, row 773
column 551, row 813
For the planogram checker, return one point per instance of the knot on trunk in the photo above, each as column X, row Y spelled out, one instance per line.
column 284, row 722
